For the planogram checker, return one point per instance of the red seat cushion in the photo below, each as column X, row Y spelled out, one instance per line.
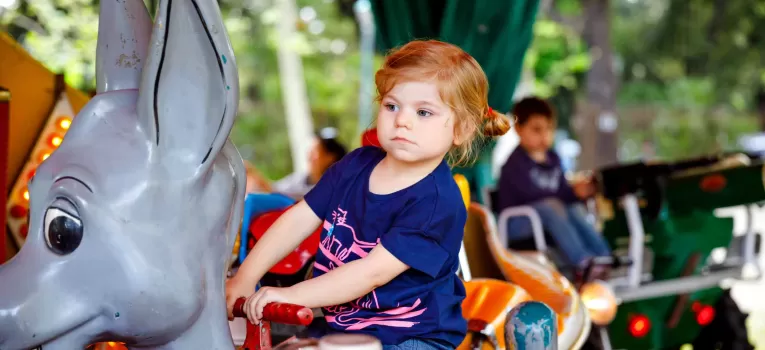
column 296, row 259
column 369, row 138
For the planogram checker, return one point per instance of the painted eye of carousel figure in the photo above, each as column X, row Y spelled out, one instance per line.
column 62, row 228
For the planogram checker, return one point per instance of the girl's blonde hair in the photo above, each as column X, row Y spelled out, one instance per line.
column 462, row 85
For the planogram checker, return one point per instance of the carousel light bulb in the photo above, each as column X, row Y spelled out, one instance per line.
column 64, row 123
column 55, row 141
column 25, row 195
column 600, row 301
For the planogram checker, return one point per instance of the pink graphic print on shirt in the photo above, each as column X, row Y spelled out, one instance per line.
column 345, row 316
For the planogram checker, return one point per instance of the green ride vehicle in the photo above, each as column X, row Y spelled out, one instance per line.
column 661, row 216
column 677, row 253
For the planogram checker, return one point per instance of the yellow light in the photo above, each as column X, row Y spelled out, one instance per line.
column 25, row 195
column 600, row 302
column 55, row 141
column 44, row 156
column 64, row 123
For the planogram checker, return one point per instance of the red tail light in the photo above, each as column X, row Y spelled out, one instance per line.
column 639, row 326
column 705, row 314
column 713, row 183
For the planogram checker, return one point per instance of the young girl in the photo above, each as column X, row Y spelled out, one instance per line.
column 393, row 217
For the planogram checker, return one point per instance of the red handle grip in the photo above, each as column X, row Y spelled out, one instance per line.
column 279, row 312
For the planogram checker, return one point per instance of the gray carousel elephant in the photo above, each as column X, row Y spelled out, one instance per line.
column 134, row 217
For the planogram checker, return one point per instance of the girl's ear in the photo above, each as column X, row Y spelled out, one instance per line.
column 463, row 130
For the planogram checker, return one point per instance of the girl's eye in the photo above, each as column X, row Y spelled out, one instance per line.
column 391, row 107
column 424, row 113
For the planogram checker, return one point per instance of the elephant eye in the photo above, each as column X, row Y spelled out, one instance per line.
column 62, row 230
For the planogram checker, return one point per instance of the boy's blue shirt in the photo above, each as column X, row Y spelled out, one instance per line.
column 523, row 181
column 422, row 225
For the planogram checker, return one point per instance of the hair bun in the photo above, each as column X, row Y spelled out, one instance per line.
column 497, row 124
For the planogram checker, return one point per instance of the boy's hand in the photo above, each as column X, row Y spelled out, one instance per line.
column 264, row 296
column 235, row 289
column 584, row 189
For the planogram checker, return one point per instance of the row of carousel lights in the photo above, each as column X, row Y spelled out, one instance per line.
column 20, row 209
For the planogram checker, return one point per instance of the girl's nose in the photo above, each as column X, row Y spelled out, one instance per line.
column 403, row 119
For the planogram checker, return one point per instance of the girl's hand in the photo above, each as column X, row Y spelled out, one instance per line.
column 264, row 296
column 236, row 288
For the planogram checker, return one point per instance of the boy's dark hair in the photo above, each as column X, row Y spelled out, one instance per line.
column 328, row 139
column 525, row 108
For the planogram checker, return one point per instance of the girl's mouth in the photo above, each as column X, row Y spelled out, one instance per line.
column 401, row 139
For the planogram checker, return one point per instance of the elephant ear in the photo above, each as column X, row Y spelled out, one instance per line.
column 124, row 31
column 189, row 89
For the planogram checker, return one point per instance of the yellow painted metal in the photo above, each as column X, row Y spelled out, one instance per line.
column 32, row 88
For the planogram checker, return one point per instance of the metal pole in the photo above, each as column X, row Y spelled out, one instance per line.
column 637, row 239
column 294, row 96
column 363, row 11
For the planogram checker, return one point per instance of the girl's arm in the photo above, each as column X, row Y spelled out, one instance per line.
column 286, row 233
column 349, row 281
column 341, row 285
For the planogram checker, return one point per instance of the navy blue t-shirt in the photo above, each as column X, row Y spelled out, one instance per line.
column 524, row 181
column 421, row 225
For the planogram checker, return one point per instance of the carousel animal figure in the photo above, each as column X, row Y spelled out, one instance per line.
column 134, row 217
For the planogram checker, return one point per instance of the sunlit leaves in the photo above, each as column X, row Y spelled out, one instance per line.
column 69, row 44
column 556, row 55
column 332, row 81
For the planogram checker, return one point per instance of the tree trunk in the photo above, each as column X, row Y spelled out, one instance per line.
column 760, row 103
column 294, row 94
column 601, row 87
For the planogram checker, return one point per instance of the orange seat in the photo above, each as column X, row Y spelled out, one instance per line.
column 485, row 307
column 488, row 259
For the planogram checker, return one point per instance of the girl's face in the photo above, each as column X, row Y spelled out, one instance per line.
column 414, row 124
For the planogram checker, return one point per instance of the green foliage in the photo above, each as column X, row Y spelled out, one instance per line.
column 331, row 77
column 697, row 65
column 68, row 43
column 556, row 56
column 330, row 58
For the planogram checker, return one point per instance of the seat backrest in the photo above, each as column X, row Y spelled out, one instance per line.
column 256, row 204
column 369, row 138
column 541, row 281
column 479, row 255
column 296, row 260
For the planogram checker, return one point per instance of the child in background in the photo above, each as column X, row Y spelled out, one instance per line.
column 326, row 151
column 533, row 176
column 393, row 216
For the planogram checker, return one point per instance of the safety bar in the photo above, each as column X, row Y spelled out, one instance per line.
column 536, row 224
column 259, row 336
column 279, row 312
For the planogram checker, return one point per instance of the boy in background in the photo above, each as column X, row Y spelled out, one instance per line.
column 533, row 176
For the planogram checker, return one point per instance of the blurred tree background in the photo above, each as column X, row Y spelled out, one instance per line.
column 684, row 76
